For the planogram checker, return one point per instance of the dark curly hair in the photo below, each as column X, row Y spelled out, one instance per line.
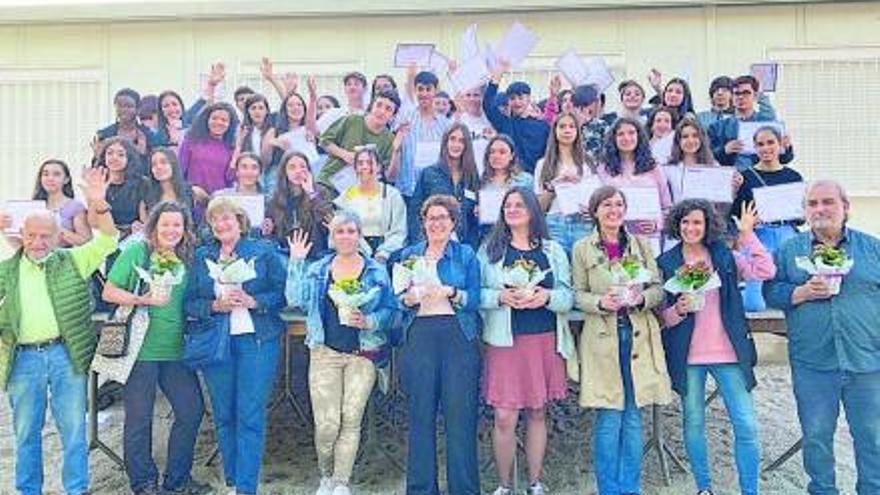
column 643, row 157
column 715, row 226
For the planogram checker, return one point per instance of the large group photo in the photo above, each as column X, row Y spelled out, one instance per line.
column 566, row 249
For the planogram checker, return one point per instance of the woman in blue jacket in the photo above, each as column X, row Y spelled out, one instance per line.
column 240, row 384
column 440, row 360
column 345, row 344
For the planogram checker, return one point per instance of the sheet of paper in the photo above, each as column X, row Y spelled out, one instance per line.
column 344, row 179
column 767, row 74
column 573, row 67
column 747, row 130
column 662, row 148
column 572, row 197
column 516, row 45
column 709, row 183
column 18, row 210
column 427, row 154
column 471, row 74
column 406, row 54
column 489, row 57
column 252, row 204
column 490, row 204
column 599, row 75
column 782, row 202
column 439, row 63
column 470, row 46
column 642, row 203
column 480, row 145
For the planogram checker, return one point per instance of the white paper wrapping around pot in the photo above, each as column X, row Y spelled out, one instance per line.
column 674, row 286
column 347, row 303
column 119, row 368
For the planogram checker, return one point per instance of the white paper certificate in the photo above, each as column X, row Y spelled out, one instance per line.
column 747, row 130
column 709, row 183
column 407, row 54
column 490, row 204
column 782, row 202
column 480, row 146
column 642, row 203
column 767, row 74
column 598, row 74
column 344, row 179
column 573, row 67
column 18, row 210
column 471, row 74
column 516, row 45
column 254, row 205
column 427, row 154
column 570, row 198
column 470, row 47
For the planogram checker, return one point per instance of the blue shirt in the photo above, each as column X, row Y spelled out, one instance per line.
column 843, row 332
column 529, row 135
column 419, row 131
column 727, row 130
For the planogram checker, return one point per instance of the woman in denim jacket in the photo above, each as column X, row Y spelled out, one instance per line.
column 240, row 385
column 440, row 360
column 344, row 348
column 526, row 331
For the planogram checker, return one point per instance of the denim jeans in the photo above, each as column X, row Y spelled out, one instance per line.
column 181, row 387
column 819, row 395
column 33, row 374
column 771, row 237
column 440, row 367
column 568, row 229
column 617, row 435
column 740, row 408
column 240, row 390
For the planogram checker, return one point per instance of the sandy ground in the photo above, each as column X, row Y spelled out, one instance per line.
column 289, row 465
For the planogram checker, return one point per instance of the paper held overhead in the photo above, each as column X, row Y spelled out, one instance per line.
column 473, row 73
column 516, row 44
column 598, row 74
column 406, row 54
column 767, row 74
column 470, row 47
column 573, row 67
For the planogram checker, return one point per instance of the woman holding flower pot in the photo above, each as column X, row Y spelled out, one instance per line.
column 164, row 255
column 713, row 337
column 622, row 362
column 235, row 293
column 349, row 303
column 525, row 299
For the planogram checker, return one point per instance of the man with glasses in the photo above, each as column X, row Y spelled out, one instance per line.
column 724, row 134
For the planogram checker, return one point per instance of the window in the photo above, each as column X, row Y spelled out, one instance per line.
column 328, row 76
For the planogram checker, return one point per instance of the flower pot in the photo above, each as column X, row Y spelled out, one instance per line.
column 833, row 281
column 696, row 301
column 160, row 291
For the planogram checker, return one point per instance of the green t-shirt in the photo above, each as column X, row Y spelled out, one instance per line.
column 347, row 133
column 164, row 340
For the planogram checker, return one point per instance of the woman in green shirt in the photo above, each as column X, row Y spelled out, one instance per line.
column 168, row 237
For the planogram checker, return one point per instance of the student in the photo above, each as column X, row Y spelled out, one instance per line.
column 165, row 183
column 661, row 127
column 528, row 132
column 677, row 95
column 296, row 130
column 207, row 151
column 691, row 148
column 148, row 112
column 443, row 104
column 469, row 111
column 585, row 101
column 241, row 95
column 354, row 87
column 175, row 118
column 632, row 100
column 257, row 132
column 54, row 185
column 502, row 172
column 721, row 96
column 125, row 103
column 125, row 188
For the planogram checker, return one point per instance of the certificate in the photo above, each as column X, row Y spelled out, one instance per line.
column 710, row 183
column 438, row 63
column 570, row 198
column 427, row 154
column 662, row 148
column 490, row 204
column 254, row 205
column 480, row 145
column 782, row 202
column 767, row 74
column 18, row 210
column 599, row 75
column 470, row 46
column 573, row 67
column 344, row 179
column 642, row 203
column 747, row 130
column 516, row 45
column 406, row 54
column 473, row 73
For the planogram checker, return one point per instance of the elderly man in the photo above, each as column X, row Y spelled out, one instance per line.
column 834, row 340
column 47, row 339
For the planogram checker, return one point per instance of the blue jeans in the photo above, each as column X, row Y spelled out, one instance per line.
column 439, row 367
column 568, row 229
column 181, row 387
column 617, row 435
column 33, row 373
column 240, row 390
column 740, row 408
column 772, row 238
column 818, row 395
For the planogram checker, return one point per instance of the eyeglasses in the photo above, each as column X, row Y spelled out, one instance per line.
column 438, row 218
column 743, row 93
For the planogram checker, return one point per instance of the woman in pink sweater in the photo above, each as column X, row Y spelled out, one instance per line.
column 715, row 338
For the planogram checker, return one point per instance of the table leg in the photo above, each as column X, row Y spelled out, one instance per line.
column 93, row 439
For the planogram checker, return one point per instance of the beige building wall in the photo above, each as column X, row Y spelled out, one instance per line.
column 57, row 78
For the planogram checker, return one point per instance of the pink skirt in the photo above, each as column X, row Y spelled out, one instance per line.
column 527, row 375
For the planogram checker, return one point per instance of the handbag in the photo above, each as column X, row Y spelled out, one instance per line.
column 206, row 342
column 113, row 336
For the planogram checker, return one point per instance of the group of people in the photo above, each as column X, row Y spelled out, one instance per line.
column 387, row 203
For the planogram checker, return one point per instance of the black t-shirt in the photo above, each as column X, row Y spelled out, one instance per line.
column 754, row 178
column 532, row 321
column 339, row 337
column 124, row 199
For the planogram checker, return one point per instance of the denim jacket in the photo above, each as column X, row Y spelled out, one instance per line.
column 307, row 284
column 267, row 288
column 497, row 329
column 457, row 268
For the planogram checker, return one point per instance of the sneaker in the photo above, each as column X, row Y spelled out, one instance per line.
column 341, row 490
column 502, row 490
column 537, row 488
column 705, row 492
column 192, row 487
column 326, row 487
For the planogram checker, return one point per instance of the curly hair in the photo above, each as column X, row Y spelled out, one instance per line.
column 199, row 129
column 704, row 153
column 643, row 157
column 184, row 249
column 715, row 226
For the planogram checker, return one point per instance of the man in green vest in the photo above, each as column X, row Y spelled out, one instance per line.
column 47, row 339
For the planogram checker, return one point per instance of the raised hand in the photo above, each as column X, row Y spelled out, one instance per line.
column 555, row 85
column 312, row 84
column 266, row 68
column 655, row 78
column 217, row 74
column 94, row 186
column 748, row 218
column 299, row 244
column 291, row 82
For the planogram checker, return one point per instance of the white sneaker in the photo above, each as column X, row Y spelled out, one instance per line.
column 326, row 487
column 341, row 490
column 537, row 488
column 501, row 490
